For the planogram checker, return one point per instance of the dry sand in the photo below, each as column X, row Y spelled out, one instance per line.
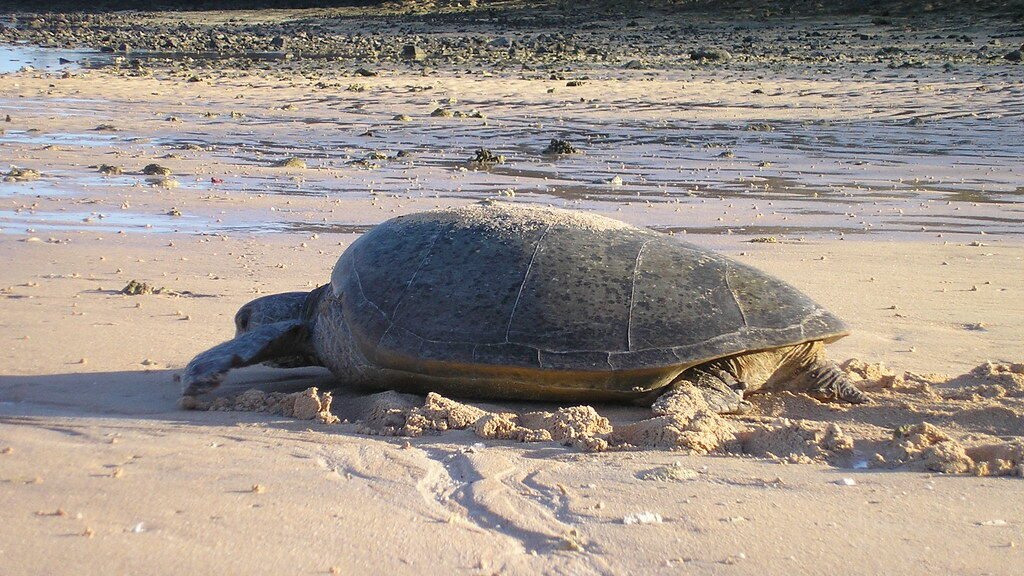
column 100, row 471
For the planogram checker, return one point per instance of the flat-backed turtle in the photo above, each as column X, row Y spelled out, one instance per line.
column 507, row 301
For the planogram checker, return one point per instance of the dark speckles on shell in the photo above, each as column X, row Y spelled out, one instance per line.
column 532, row 288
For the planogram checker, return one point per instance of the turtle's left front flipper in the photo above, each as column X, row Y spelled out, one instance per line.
column 206, row 371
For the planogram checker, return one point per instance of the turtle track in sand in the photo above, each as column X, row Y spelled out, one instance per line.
column 967, row 424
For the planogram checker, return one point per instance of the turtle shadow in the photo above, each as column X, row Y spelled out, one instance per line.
column 154, row 395
column 142, row 394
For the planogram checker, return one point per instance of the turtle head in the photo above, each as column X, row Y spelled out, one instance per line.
column 285, row 307
column 289, row 307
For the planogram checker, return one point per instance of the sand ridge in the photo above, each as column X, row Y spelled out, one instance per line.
column 688, row 425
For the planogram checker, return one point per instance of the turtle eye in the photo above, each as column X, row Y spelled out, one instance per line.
column 242, row 319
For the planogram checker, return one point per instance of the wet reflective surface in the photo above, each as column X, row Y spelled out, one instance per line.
column 910, row 161
column 14, row 58
column 31, row 222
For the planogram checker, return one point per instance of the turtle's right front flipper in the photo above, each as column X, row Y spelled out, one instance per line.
column 206, row 371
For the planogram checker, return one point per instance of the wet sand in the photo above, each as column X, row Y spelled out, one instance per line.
column 893, row 196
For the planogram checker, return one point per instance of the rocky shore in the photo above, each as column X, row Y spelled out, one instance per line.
column 555, row 38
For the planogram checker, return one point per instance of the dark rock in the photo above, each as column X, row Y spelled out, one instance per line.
column 711, row 55
column 559, row 147
column 136, row 288
column 156, row 170
column 21, row 174
column 365, row 72
column 485, row 156
column 1014, row 56
column 413, row 52
column 890, row 51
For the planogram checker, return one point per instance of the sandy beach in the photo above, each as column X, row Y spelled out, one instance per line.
column 892, row 195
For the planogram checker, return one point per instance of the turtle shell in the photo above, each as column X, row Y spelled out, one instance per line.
column 507, row 290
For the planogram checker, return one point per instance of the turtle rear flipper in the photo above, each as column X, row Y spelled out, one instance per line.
column 206, row 371
column 830, row 384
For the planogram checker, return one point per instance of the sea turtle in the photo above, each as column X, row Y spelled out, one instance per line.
column 505, row 301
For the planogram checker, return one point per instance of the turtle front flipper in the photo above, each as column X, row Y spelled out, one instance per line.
column 829, row 383
column 279, row 339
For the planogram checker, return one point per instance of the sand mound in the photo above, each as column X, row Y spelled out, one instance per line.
column 870, row 375
column 988, row 381
column 310, row 404
column 925, row 422
column 796, row 441
column 926, row 446
column 579, row 426
column 683, row 420
column 673, row 473
column 686, row 423
column 394, row 415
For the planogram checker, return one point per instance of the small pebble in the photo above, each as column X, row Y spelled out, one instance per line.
column 643, row 518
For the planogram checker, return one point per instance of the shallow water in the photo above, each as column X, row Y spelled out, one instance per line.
column 908, row 161
column 32, row 222
column 881, row 175
column 18, row 56
column 14, row 58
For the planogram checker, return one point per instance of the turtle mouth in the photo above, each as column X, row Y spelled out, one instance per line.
column 292, row 361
